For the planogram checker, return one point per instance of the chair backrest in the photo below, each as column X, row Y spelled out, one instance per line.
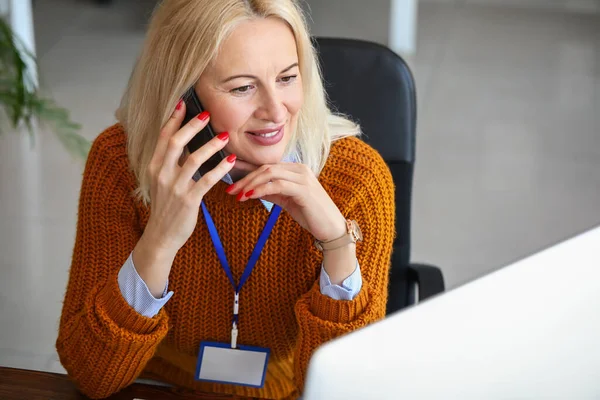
column 374, row 86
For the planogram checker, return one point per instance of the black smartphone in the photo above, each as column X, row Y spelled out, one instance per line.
column 192, row 109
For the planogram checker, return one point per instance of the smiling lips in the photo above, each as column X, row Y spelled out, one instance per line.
column 267, row 137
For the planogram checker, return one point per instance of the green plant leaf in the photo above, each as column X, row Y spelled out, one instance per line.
column 22, row 103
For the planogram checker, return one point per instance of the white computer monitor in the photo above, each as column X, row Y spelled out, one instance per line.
column 530, row 330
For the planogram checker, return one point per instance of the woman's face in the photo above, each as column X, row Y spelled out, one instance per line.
column 253, row 90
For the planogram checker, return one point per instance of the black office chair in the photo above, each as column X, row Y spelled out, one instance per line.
column 374, row 86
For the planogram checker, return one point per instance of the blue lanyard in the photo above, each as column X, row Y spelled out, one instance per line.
column 262, row 240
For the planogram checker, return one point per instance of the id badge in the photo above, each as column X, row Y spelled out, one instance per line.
column 243, row 365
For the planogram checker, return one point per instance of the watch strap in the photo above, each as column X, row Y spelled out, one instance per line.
column 352, row 235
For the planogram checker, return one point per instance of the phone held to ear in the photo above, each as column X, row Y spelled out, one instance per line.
column 193, row 108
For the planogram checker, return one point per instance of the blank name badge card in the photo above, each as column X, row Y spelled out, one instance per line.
column 244, row 365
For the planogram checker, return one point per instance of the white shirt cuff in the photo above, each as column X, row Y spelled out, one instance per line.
column 136, row 292
column 347, row 291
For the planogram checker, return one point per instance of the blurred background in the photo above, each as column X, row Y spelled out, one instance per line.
column 508, row 140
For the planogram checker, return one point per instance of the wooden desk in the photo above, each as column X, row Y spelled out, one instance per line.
column 19, row 384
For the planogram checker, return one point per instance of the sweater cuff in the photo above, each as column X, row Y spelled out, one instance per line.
column 338, row 311
column 111, row 303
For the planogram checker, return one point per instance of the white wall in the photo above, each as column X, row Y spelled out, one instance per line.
column 355, row 19
column 585, row 6
column 389, row 22
column 402, row 36
column 4, row 7
column 21, row 21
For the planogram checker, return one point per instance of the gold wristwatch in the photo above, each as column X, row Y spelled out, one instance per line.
column 352, row 235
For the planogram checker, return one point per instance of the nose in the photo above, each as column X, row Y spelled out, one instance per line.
column 271, row 107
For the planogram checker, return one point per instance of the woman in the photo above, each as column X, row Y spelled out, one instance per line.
column 149, row 293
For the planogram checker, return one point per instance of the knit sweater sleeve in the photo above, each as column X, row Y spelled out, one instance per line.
column 321, row 318
column 103, row 343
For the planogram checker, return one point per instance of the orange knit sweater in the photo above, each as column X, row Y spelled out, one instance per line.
column 104, row 344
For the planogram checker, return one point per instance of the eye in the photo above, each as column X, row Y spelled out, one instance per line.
column 241, row 89
column 288, row 79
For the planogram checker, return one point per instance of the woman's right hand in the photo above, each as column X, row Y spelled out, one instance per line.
column 174, row 196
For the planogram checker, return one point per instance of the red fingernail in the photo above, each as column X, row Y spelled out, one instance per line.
column 178, row 106
column 231, row 158
column 223, row 136
column 249, row 193
column 203, row 116
column 230, row 188
column 239, row 196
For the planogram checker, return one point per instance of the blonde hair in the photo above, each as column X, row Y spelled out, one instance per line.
column 182, row 39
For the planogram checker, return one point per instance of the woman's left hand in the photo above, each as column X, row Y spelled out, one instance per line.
column 296, row 189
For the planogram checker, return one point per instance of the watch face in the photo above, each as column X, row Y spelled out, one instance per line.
column 356, row 232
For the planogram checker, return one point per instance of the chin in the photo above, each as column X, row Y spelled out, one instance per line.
column 258, row 155
column 270, row 159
